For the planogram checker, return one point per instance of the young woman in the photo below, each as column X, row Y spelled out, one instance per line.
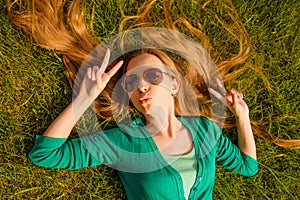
column 167, row 153
column 182, row 163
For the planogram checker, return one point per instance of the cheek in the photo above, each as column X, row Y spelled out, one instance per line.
column 133, row 98
column 167, row 84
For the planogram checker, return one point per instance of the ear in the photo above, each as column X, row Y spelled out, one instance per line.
column 175, row 86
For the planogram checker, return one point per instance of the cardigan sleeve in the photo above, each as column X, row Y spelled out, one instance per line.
column 61, row 153
column 231, row 157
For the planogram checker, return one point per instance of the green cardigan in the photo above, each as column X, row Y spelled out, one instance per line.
column 143, row 171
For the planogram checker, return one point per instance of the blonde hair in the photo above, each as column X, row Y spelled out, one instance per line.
column 56, row 25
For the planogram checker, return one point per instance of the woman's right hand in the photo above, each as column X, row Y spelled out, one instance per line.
column 92, row 85
column 95, row 79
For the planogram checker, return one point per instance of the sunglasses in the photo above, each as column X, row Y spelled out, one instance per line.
column 153, row 76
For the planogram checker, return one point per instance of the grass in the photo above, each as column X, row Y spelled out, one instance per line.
column 34, row 91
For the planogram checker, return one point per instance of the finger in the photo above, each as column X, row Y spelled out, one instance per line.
column 241, row 96
column 89, row 73
column 238, row 93
column 115, row 68
column 235, row 96
column 221, row 87
column 104, row 63
column 217, row 95
column 229, row 98
column 94, row 71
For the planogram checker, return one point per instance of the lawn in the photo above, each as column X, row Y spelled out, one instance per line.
column 34, row 90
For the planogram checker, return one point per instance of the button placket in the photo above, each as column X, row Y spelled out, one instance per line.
column 199, row 178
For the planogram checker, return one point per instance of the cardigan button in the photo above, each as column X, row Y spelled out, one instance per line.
column 200, row 178
column 195, row 189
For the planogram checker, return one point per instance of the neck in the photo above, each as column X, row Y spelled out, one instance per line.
column 163, row 124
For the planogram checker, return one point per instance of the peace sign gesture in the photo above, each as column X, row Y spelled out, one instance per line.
column 96, row 79
column 232, row 99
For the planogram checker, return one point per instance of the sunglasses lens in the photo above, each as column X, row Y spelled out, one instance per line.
column 153, row 76
column 130, row 82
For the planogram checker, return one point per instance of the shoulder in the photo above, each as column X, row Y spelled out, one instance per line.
column 202, row 129
column 199, row 123
column 206, row 135
column 124, row 135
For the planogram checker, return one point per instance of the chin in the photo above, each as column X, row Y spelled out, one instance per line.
column 155, row 110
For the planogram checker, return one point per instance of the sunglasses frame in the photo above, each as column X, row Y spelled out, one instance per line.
column 138, row 75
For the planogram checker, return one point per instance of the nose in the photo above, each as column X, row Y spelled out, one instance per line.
column 143, row 86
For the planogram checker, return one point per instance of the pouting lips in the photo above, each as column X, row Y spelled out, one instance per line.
column 145, row 100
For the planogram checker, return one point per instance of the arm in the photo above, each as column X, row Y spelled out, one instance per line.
column 51, row 152
column 62, row 126
column 246, row 140
column 92, row 85
column 234, row 101
column 54, row 150
column 232, row 158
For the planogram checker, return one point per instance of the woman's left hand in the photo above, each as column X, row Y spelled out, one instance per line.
column 232, row 99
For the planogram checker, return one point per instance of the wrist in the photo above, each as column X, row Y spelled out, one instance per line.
column 81, row 102
column 83, row 97
column 244, row 117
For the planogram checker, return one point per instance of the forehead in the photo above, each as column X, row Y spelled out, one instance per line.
column 143, row 60
column 137, row 70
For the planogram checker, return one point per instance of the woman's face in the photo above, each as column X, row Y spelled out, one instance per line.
column 150, row 88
